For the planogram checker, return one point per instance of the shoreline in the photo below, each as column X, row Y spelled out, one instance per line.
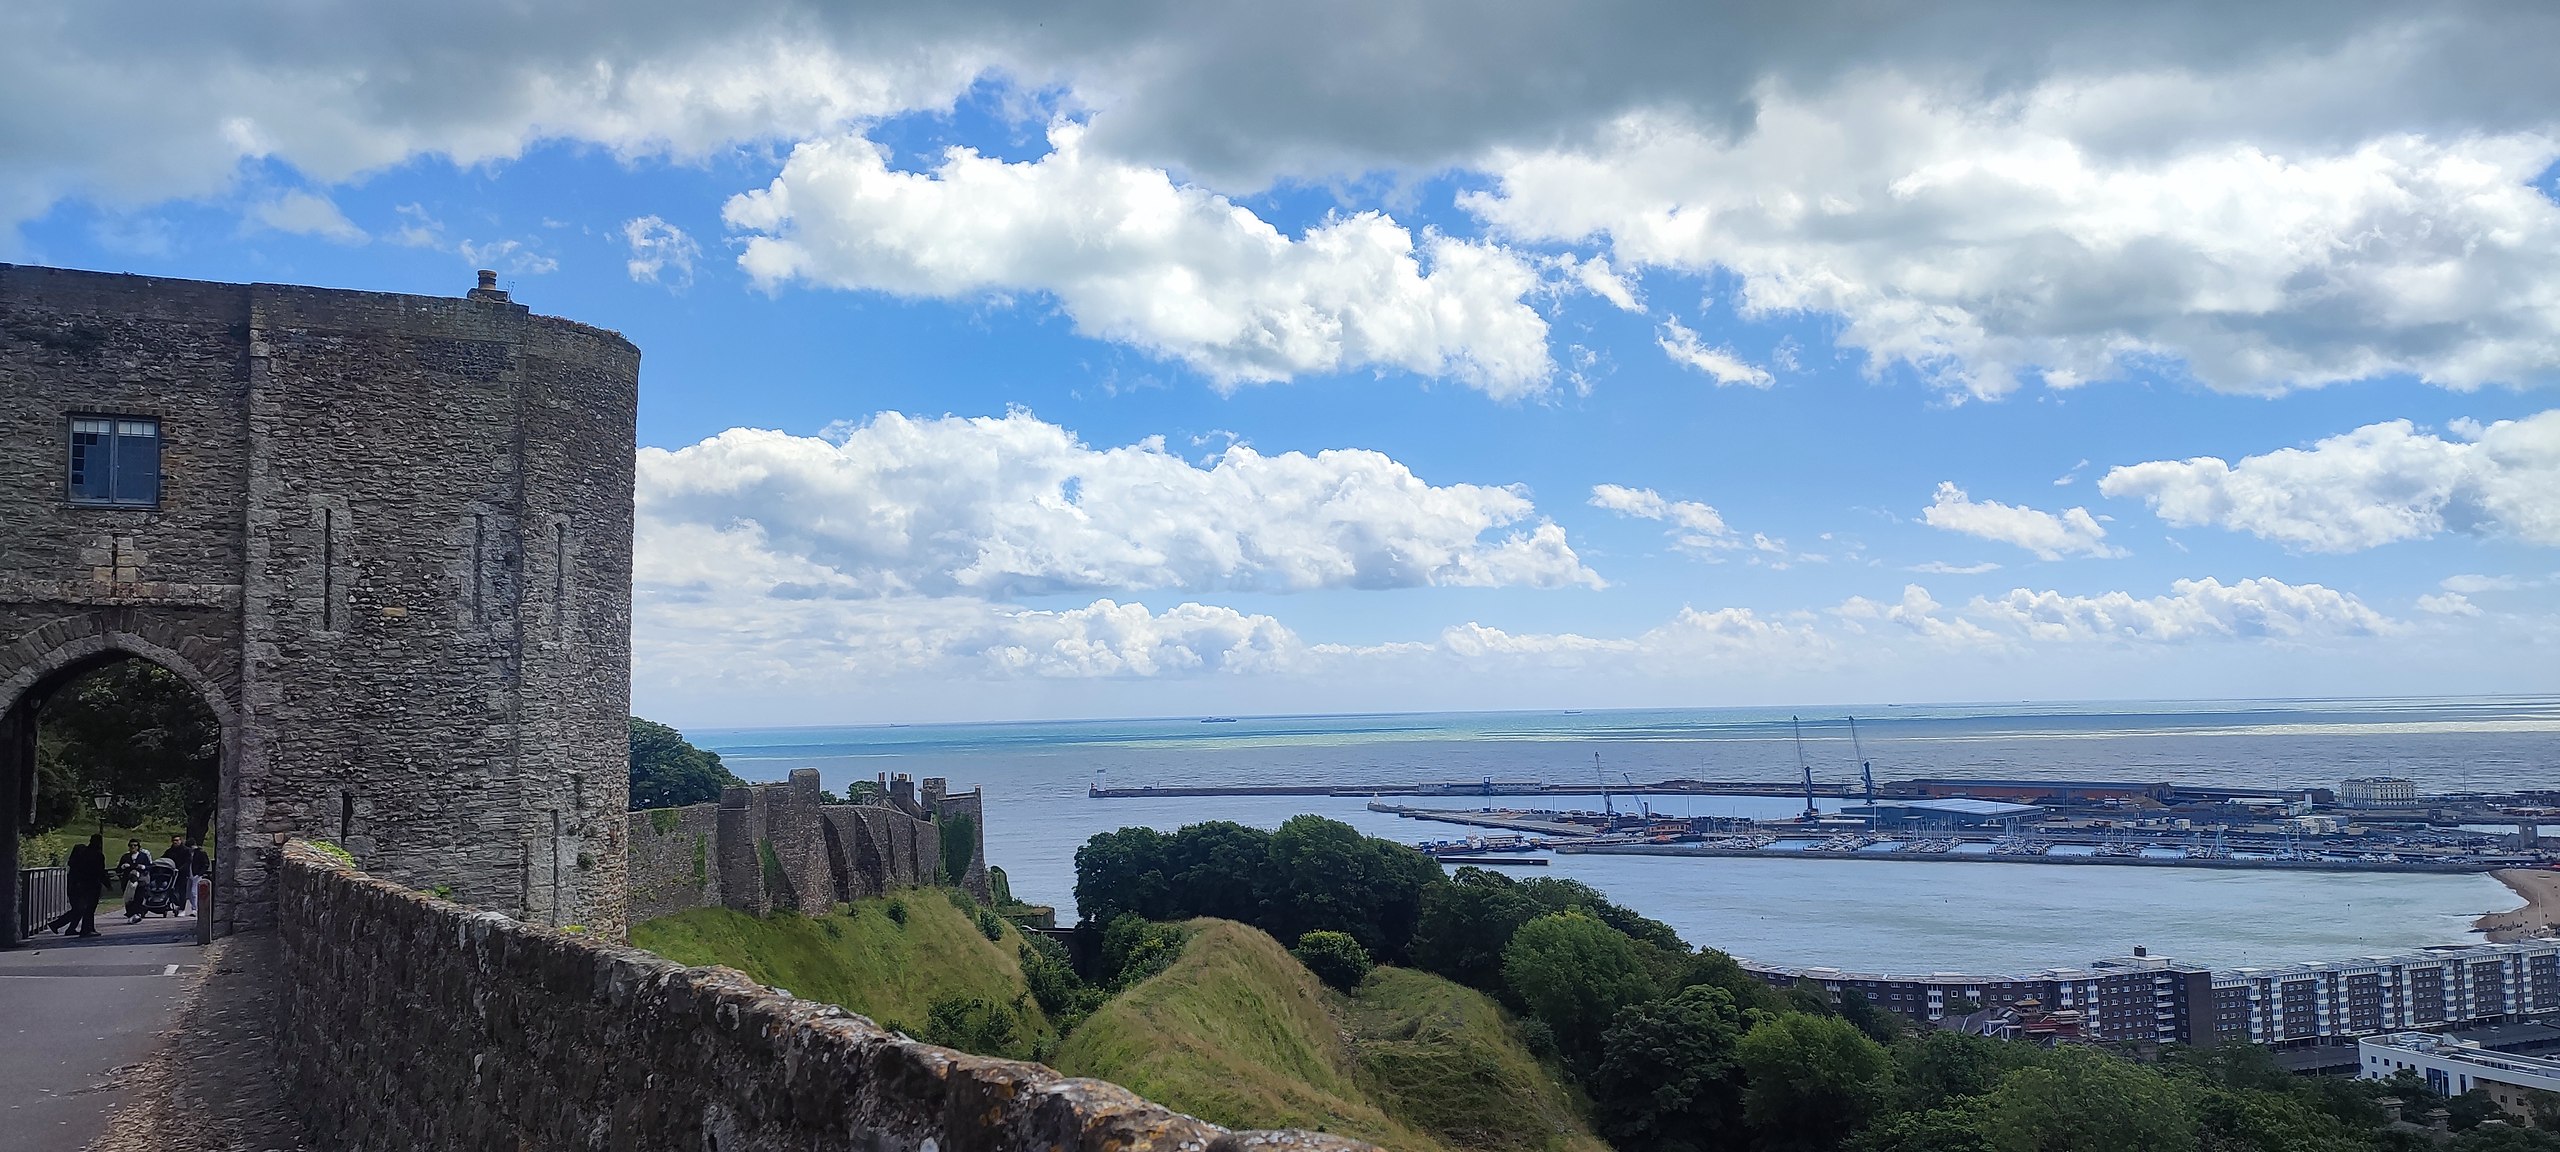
column 2540, row 916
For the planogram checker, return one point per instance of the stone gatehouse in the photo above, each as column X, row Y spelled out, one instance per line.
column 387, row 538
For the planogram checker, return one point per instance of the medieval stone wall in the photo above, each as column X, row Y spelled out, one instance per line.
column 671, row 862
column 392, row 549
column 411, row 1023
column 769, row 847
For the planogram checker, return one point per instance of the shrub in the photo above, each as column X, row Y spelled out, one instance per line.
column 1334, row 957
column 972, row 1024
column 897, row 912
column 664, row 820
column 1051, row 976
column 1135, row 948
column 990, row 925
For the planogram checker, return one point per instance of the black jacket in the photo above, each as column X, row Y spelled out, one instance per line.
column 88, row 868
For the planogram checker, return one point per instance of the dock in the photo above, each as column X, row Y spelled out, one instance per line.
column 2222, row 863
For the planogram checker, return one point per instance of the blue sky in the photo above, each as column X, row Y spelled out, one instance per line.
column 1810, row 369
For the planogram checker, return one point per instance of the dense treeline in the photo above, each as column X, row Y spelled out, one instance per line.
column 1310, row 875
column 1681, row 1050
column 667, row 771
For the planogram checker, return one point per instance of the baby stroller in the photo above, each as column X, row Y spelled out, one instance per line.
column 155, row 894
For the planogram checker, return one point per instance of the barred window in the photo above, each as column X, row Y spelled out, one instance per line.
column 114, row 461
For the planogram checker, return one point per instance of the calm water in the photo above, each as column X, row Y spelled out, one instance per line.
column 1863, row 914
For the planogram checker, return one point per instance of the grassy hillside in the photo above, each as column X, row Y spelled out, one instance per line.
column 1239, row 1033
column 1440, row 1057
column 863, row 959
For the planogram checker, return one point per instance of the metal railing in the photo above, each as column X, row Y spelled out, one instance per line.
column 43, row 893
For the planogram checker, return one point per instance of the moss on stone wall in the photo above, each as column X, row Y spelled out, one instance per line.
column 959, row 846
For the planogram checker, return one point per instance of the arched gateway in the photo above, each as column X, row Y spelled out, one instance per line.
column 388, row 540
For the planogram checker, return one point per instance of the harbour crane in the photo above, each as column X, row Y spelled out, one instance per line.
column 1866, row 771
column 1811, row 813
column 1608, row 803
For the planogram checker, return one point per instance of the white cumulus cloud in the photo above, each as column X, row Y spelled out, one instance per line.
column 1013, row 505
column 2206, row 609
column 1918, row 612
column 1135, row 256
column 2378, row 484
column 2051, row 536
column 1985, row 240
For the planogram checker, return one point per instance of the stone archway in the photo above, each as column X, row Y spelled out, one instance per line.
column 30, row 682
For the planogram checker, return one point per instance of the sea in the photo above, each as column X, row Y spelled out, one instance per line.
column 1864, row 915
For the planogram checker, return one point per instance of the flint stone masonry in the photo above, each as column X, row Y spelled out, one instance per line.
column 392, row 551
column 775, row 847
column 410, row 1022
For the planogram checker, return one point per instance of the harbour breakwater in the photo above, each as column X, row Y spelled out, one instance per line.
column 2226, row 863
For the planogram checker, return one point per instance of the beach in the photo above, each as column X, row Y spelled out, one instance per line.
column 2540, row 915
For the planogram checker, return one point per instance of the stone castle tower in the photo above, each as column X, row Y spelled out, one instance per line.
column 387, row 538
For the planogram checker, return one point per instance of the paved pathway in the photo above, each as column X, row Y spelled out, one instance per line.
column 77, row 1017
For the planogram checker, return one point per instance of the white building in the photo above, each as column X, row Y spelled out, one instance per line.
column 2453, row 1067
column 2378, row 792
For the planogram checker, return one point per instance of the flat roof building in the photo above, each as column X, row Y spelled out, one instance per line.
column 2452, row 1067
column 2143, row 998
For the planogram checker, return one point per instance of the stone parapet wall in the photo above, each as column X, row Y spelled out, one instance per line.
column 413, row 1023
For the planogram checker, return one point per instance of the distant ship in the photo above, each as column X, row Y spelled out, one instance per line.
column 1217, row 719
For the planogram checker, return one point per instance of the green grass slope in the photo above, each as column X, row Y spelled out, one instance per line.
column 860, row 958
column 1442, row 1057
column 1239, row 1033
column 1235, row 1032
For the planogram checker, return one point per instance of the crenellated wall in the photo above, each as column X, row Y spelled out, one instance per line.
column 409, row 1022
column 768, row 847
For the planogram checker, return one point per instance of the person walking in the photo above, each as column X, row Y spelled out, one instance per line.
column 185, row 862
column 131, row 866
column 88, row 881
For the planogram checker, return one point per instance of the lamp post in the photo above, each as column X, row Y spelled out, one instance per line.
column 99, row 801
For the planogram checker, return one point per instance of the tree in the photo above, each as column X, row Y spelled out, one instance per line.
column 1716, row 969
column 973, row 1024
column 1810, row 998
column 2076, row 1100
column 1812, row 1081
column 669, row 772
column 1325, row 875
column 1668, row 1080
column 1559, row 895
column 1122, row 873
column 1217, row 868
column 1939, row 1067
column 1575, row 973
column 1465, row 924
column 1879, row 1025
column 1334, row 957
column 137, row 732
